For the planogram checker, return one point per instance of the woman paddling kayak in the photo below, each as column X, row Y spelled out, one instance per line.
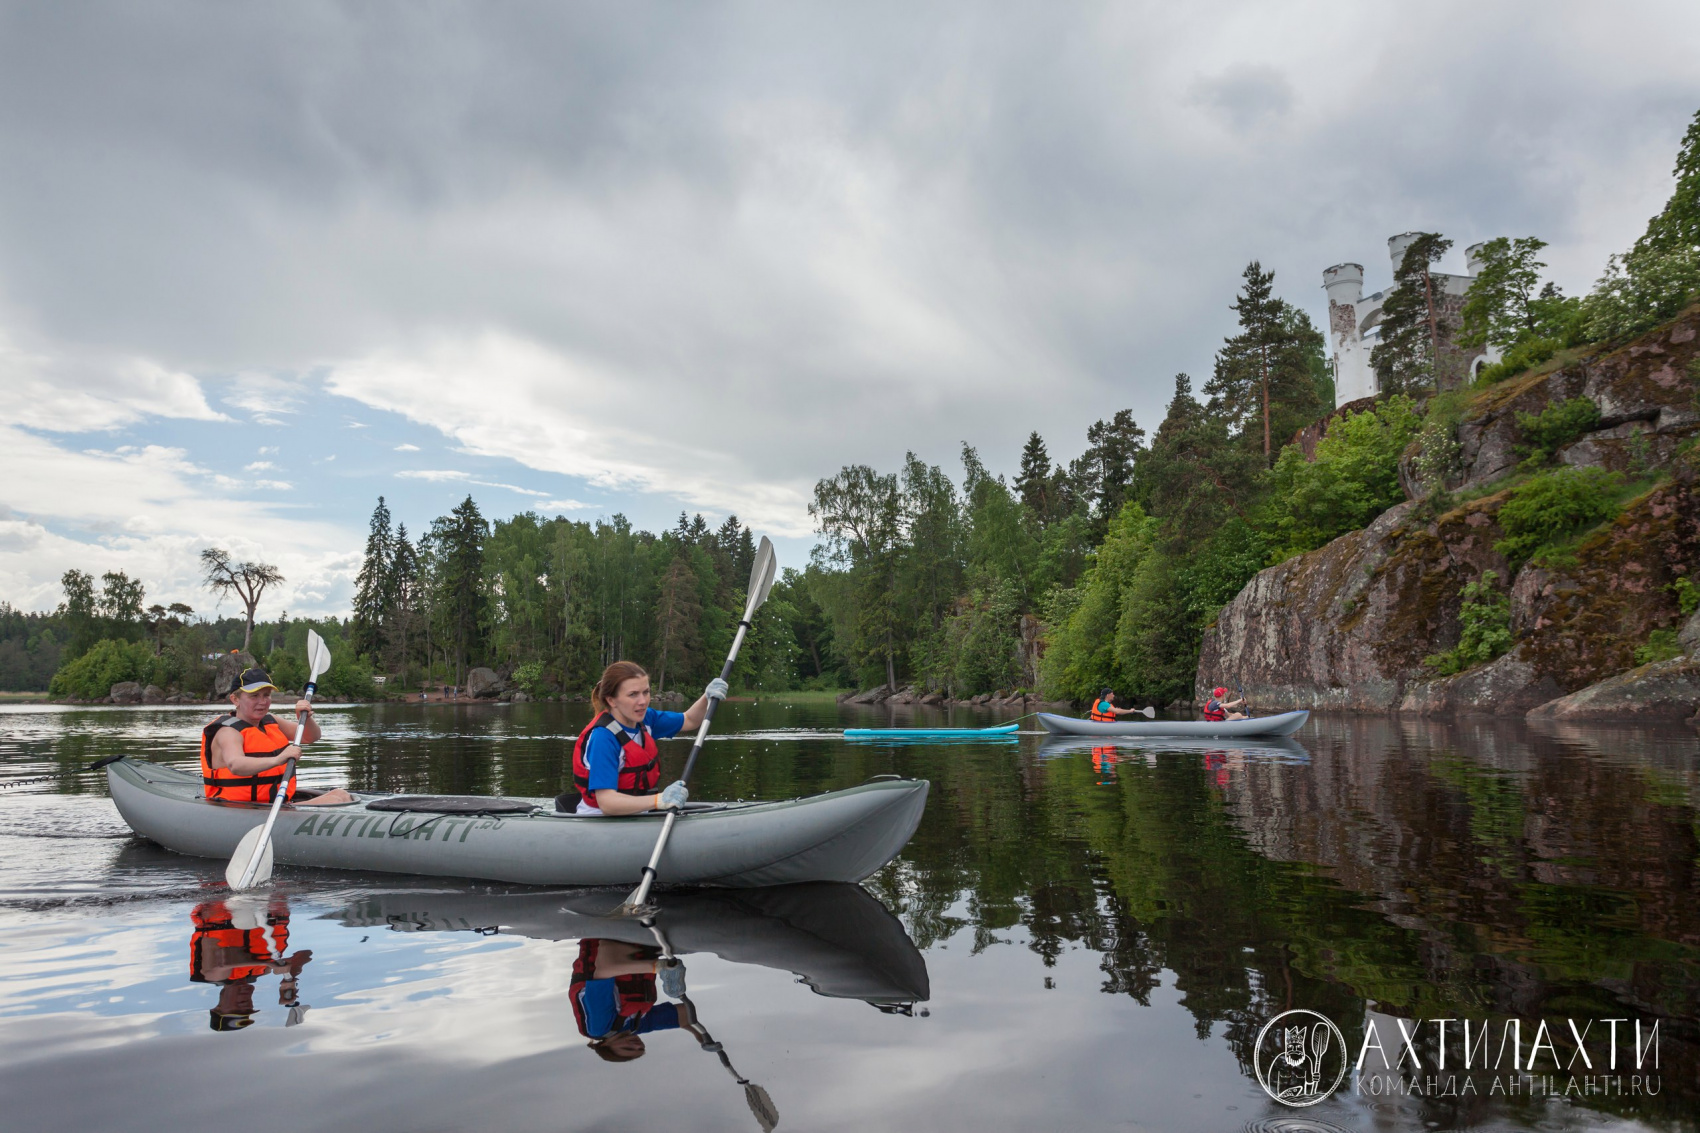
column 616, row 765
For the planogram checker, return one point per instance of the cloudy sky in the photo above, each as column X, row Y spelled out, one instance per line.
column 262, row 263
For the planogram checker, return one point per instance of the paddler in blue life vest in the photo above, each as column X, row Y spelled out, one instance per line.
column 616, row 765
column 1104, row 708
column 1219, row 708
column 244, row 752
column 234, row 958
column 614, row 1000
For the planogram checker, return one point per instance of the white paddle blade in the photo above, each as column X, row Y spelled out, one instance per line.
column 1148, row 712
column 761, row 577
column 318, row 657
column 245, row 853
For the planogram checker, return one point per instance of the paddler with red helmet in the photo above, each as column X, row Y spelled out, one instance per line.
column 1219, row 708
column 616, row 765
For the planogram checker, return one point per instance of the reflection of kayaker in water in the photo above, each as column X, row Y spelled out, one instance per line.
column 234, row 958
column 614, row 999
column 1104, row 764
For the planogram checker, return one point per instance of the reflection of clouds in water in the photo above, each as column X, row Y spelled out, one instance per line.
column 478, row 1032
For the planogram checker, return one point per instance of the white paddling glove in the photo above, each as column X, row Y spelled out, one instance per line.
column 716, row 689
column 675, row 795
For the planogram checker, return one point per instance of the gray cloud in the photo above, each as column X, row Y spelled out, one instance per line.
column 794, row 236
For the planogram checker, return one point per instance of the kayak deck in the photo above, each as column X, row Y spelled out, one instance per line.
column 838, row 836
column 1282, row 724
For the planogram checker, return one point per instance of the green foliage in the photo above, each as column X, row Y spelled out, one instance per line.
column 1485, row 617
column 1554, row 506
column 1524, row 356
column 1661, row 645
column 1501, row 306
column 977, row 647
column 30, row 648
column 1687, row 594
column 1354, row 478
column 1661, row 274
column 108, row 662
column 1560, row 423
column 1264, row 383
column 1412, row 354
column 529, row 678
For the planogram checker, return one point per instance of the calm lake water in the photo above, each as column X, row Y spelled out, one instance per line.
column 1081, row 937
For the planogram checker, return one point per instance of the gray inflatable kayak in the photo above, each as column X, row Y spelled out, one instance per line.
column 1284, row 724
column 839, row 836
column 838, row 939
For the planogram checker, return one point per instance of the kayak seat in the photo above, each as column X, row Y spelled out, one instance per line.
column 453, row 804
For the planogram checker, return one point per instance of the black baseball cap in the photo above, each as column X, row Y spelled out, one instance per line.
column 252, row 680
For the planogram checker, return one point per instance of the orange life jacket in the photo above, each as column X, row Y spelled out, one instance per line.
column 640, row 768
column 1214, row 711
column 1101, row 711
column 262, row 739
column 212, row 919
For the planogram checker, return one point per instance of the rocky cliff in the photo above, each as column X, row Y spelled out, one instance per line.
column 1348, row 626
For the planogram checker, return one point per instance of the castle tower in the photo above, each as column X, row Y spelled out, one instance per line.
column 1352, row 376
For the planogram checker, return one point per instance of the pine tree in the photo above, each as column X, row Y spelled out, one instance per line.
column 1265, row 380
column 1414, row 329
column 1103, row 475
column 372, row 584
column 1034, row 485
column 458, row 546
column 678, row 619
column 400, row 596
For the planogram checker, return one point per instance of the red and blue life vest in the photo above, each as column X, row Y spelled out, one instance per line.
column 634, row 993
column 640, row 759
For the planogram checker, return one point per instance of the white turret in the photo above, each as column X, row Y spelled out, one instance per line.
column 1352, row 376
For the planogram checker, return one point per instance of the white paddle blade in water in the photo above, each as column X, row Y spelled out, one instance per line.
column 244, row 854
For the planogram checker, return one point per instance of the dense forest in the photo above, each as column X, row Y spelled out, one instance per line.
column 1063, row 578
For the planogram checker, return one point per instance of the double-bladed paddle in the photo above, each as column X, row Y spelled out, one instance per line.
column 761, row 581
column 251, row 864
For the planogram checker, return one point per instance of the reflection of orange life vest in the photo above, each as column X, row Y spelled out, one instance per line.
column 1213, row 710
column 635, row 993
column 640, row 768
column 262, row 739
column 212, row 919
column 1101, row 711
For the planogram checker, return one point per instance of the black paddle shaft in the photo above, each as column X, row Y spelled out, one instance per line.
column 708, row 714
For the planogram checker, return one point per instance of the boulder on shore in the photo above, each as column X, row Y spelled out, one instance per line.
column 1664, row 690
column 153, row 694
column 126, row 692
column 482, row 683
column 230, row 666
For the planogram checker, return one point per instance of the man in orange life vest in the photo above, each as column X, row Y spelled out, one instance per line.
column 614, row 1001
column 616, row 765
column 243, row 753
column 1217, row 709
column 1104, row 708
column 234, row 958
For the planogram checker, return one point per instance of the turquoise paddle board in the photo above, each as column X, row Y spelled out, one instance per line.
column 928, row 733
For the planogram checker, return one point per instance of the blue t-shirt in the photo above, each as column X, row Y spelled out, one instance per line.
column 601, row 1003
column 604, row 756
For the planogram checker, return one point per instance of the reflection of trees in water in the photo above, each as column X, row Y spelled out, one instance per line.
column 1520, row 878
